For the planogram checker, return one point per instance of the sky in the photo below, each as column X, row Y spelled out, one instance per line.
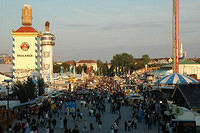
column 99, row 29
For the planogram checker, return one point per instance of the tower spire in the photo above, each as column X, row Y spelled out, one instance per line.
column 47, row 26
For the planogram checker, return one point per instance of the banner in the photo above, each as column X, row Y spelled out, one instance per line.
column 72, row 107
column 67, row 107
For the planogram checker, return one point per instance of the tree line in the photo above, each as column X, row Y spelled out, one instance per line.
column 120, row 63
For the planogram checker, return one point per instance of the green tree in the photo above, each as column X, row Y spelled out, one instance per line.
column 79, row 69
column 141, row 64
column 105, row 69
column 145, row 59
column 65, row 66
column 99, row 67
column 85, row 68
column 24, row 91
column 41, row 86
column 56, row 68
column 19, row 91
column 27, row 90
column 31, row 88
column 123, row 62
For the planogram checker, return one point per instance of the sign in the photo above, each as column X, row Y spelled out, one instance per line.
column 24, row 55
column 24, row 46
column 67, row 107
column 59, row 82
column 72, row 107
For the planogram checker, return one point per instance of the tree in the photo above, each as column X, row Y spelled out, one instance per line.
column 123, row 62
column 105, row 69
column 19, row 91
column 24, row 91
column 30, row 87
column 56, row 68
column 41, row 86
column 65, row 66
column 79, row 69
column 27, row 90
column 145, row 59
column 99, row 67
column 85, row 68
column 141, row 64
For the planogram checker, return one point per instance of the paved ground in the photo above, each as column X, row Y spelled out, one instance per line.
column 107, row 119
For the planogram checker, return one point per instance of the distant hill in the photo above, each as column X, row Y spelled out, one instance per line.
column 4, row 55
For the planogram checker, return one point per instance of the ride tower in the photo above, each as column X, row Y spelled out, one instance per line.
column 175, row 36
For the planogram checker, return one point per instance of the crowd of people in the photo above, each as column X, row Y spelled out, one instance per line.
column 107, row 97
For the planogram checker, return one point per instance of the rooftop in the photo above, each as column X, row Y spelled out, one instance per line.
column 191, row 94
column 86, row 61
column 26, row 29
column 70, row 62
column 186, row 61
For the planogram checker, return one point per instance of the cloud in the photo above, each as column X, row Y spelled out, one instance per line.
column 80, row 25
column 123, row 26
column 190, row 21
column 80, row 11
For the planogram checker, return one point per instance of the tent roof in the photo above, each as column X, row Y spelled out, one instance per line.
column 191, row 93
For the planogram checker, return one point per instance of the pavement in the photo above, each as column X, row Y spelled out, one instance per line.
column 107, row 120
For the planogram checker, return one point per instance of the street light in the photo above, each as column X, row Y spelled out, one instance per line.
column 159, row 101
column 8, row 81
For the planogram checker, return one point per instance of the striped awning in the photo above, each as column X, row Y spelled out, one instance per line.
column 176, row 78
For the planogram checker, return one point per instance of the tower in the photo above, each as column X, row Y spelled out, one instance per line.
column 175, row 36
column 47, row 44
column 26, row 47
column 181, row 51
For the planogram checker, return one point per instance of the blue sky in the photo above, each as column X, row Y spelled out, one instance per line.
column 99, row 29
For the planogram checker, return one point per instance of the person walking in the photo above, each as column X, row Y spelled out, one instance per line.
column 129, row 126
column 65, row 122
column 61, row 124
column 54, row 123
column 100, row 125
column 125, row 125
column 91, row 128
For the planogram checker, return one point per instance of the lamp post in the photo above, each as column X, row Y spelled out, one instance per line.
column 8, row 111
column 159, row 101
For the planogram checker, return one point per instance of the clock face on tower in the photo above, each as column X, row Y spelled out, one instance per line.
column 24, row 46
column 46, row 54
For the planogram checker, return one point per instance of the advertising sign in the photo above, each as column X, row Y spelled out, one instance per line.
column 67, row 107
column 72, row 107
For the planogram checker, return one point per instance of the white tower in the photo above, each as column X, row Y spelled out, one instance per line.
column 47, row 44
column 181, row 51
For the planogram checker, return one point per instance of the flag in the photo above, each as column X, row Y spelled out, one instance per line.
column 74, row 70
column 70, row 68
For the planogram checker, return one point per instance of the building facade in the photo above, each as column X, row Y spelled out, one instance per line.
column 26, row 47
column 91, row 64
